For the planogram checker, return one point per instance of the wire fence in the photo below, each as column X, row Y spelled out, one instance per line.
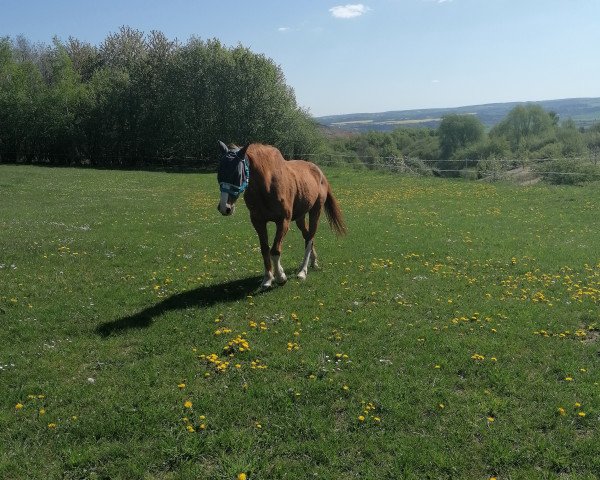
column 588, row 167
column 496, row 169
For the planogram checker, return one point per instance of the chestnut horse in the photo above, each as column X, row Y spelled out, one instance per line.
column 277, row 190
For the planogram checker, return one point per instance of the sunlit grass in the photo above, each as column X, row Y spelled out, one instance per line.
column 452, row 334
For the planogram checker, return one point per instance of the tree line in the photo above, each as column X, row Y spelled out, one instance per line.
column 138, row 97
column 528, row 135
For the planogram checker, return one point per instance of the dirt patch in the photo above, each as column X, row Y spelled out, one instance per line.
column 522, row 176
column 591, row 336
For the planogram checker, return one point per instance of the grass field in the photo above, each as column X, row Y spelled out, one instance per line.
column 454, row 333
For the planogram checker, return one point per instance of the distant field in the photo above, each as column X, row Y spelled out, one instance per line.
column 454, row 333
column 387, row 122
column 584, row 112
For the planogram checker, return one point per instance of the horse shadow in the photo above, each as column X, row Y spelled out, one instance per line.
column 201, row 297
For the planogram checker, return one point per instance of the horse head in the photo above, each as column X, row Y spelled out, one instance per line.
column 233, row 176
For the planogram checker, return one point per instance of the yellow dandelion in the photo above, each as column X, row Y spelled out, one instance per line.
column 188, row 404
column 561, row 411
column 18, row 406
column 190, row 428
column 581, row 414
column 577, row 404
column 491, row 419
column 181, row 386
column 361, row 418
column 42, row 411
column 242, row 476
column 346, row 388
column 568, row 379
column 52, row 425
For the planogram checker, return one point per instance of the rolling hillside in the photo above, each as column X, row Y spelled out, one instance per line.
column 584, row 111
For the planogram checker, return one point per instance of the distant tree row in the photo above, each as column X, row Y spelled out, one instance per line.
column 527, row 133
column 139, row 97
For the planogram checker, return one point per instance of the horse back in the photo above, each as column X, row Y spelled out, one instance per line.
column 282, row 188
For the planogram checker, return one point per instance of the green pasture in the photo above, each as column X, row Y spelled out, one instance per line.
column 453, row 333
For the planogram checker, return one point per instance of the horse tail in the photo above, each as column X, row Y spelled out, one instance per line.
column 334, row 213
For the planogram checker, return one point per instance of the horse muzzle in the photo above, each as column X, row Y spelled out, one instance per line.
column 226, row 207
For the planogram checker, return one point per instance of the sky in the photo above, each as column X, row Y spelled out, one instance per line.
column 365, row 55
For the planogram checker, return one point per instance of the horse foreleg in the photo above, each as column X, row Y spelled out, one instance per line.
column 263, row 238
column 282, row 228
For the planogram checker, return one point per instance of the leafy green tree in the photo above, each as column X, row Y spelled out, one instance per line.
column 458, row 132
column 85, row 57
column 487, row 148
column 592, row 140
column 59, row 115
column 571, row 140
column 523, row 124
column 21, row 87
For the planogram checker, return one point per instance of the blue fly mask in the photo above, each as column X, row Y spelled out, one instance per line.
column 233, row 175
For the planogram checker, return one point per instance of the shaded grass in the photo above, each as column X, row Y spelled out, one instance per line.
column 115, row 287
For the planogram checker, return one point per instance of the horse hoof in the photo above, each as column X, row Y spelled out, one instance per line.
column 281, row 279
column 302, row 275
column 267, row 281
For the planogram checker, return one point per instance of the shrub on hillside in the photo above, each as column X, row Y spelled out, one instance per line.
column 567, row 171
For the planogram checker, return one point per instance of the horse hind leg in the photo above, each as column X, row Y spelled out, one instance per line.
column 313, row 257
column 310, row 254
column 307, row 258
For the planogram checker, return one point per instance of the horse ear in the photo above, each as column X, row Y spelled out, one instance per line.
column 242, row 152
column 223, row 147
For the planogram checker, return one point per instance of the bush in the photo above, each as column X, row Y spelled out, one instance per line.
column 568, row 171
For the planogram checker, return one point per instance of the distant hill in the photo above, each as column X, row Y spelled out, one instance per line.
column 584, row 111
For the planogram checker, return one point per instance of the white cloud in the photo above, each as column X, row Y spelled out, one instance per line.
column 283, row 29
column 349, row 11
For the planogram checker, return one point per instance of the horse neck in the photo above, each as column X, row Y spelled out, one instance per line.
column 263, row 160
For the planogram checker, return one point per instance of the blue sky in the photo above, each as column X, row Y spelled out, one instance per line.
column 366, row 55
